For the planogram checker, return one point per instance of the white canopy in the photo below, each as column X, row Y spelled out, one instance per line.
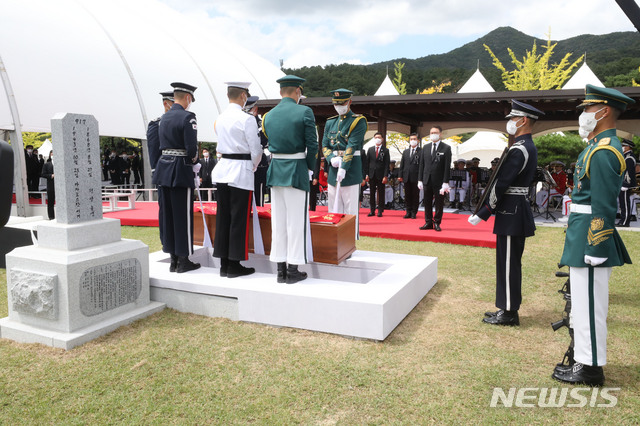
column 582, row 77
column 476, row 84
column 111, row 58
column 386, row 88
column 484, row 145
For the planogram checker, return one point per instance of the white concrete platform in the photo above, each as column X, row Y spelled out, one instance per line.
column 366, row 296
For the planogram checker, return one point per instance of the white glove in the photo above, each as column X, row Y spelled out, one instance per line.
column 310, row 174
column 196, row 178
column 341, row 174
column 623, row 189
column 594, row 261
column 444, row 189
column 336, row 161
column 420, row 185
column 474, row 220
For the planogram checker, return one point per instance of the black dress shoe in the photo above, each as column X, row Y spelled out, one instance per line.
column 371, row 214
column 560, row 369
column 293, row 275
column 413, row 216
column 491, row 314
column 235, row 269
column 379, row 214
column 436, row 226
column 407, row 216
column 174, row 263
column 282, row 272
column 581, row 374
column 503, row 317
column 185, row 265
column 224, row 265
column 426, row 226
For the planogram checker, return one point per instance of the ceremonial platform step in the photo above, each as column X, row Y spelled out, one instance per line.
column 365, row 296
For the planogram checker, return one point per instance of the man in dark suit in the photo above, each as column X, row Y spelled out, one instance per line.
column 435, row 168
column 207, row 163
column 409, row 175
column 375, row 169
column 47, row 173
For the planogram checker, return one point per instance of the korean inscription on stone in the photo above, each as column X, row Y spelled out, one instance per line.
column 110, row 286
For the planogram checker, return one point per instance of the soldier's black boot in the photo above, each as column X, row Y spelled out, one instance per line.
column 282, row 272
column 235, row 269
column 581, row 374
column 174, row 263
column 185, row 265
column 293, row 275
column 224, row 265
column 503, row 317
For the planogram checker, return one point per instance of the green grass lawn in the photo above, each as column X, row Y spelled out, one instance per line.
column 440, row 365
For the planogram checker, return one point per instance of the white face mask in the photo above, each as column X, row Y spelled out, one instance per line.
column 378, row 141
column 435, row 137
column 29, row 151
column 341, row 109
column 205, row 154
column 413, row 143
column 188, row 106
column 588, row 122
column 512, row 126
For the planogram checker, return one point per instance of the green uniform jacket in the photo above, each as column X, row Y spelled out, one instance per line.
column 598, row 177
column 291, row 128
column 345, row 133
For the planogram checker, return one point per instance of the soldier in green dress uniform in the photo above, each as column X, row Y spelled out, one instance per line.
column 592, row 245
column 342, row 147
column 293, row 143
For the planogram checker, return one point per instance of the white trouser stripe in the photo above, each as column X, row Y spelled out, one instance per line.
column 189, row 210
column 507, row 266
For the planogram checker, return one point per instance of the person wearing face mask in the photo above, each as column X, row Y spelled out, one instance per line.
column 33, row 168
column 207, row 163
column 47, row 173
column 260, row 175
column 177, row 133
column 342, row 144
column 408, row 175
column 125, row 174
column 153, row 140
column 592, row 245
column 435, row 170
column 115, row 168
column 239, row 146
column 293, row 143
column 376, row 167
column 629, row 182
column 507, row 198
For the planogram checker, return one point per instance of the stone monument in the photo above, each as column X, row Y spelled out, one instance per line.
column 81, row 280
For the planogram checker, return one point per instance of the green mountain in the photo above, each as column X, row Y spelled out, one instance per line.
column 614, row 58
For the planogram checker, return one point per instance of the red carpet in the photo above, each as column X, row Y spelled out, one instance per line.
column 455, row 228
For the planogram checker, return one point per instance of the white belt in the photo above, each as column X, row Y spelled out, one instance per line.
column 296, row 156
column 176, row 152
column 580, row 208
column 517, row 190
column 356, row 153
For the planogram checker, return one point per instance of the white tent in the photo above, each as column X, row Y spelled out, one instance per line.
column 110, row 59
column 386, row 88
column 45, row 149
column 484, row 145
column 476, row 84
column 582, row 77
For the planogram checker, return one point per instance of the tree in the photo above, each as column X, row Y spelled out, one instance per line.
column 534, row 71
column 435, row 88
column 400, row 86
column 555, row 146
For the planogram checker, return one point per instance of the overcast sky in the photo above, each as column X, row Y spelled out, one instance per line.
column 321, row 32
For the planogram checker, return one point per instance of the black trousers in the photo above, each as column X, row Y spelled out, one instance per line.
column 176, row 220
column 624, row 198
column 509, row 249
column 429, row 194
column 260, row 183
column 232, row 223
column 51, row 200
column 376, row 186
column 411, row 197
column 313, row 196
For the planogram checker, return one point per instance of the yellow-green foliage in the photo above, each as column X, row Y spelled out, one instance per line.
column 400, row 86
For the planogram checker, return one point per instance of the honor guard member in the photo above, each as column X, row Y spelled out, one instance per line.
column 514, row 219
column 342, row 146
column 628, row 182
column 293, row 143
column 592, row 245
column 260, row 175
column 174, row 176
column 239, row 146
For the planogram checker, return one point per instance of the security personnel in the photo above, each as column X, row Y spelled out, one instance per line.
column 408, row 175
column 177, row 132
column 342, row 147
column 293, row 143
column 592, row 245
column 239, row 146
column 629, row 181
column 260, row 175
column 514, row 219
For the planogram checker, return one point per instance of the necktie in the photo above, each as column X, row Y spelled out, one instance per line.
column 433, row 149
column 377, row 151
column 413, row 150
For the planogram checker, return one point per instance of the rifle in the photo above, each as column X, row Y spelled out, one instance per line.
column 567, row 359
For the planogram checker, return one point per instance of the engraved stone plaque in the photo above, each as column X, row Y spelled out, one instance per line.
column 110, row 286
column 77, row 168
column 34, row 294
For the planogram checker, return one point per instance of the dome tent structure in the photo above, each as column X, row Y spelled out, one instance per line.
column 582, row 77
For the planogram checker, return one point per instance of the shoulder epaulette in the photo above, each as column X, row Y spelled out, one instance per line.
column 264, row 119
column 332, row 117
column 623, row 164
column 356, row 121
